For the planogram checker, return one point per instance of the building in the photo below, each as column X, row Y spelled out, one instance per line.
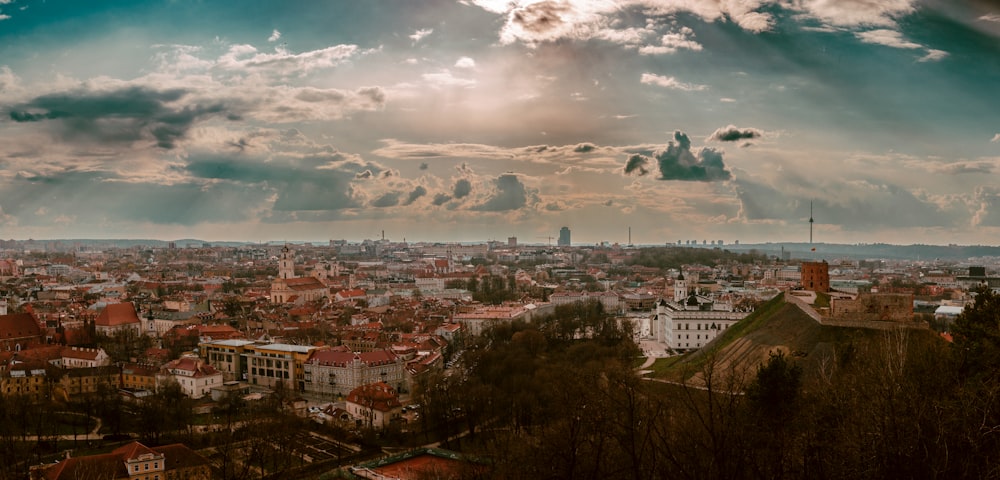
column 79, row 357
column 18, row 331
column 287, row 288
column 479, row 319
column 275, row 363
column 195, row 377
column 564, row 237
column 610, row 301
column 338, row 372
column 133, row 461
column 693, row 322
column 815, row 276
column 228, row 357
column 118, row 319
column 374, row 405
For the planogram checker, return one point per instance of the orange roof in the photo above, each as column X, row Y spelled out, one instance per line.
column 117, row 314
column 19, row 325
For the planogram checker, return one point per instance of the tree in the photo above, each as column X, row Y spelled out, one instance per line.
column 977, row 337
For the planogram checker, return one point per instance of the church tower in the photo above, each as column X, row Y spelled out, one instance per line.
column 680, row 288
column 286, row 263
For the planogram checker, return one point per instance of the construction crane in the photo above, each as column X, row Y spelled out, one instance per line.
column 550, row 237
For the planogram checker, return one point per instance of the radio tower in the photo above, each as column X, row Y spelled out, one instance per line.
column 810, row 222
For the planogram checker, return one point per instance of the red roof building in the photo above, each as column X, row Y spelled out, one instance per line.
column 18, row 331
column 132, row 461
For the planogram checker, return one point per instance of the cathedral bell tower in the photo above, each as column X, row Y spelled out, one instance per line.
column 286, row 264
column 680, row 288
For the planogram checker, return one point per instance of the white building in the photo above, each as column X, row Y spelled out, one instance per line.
column 195, row 377
column 693, row 322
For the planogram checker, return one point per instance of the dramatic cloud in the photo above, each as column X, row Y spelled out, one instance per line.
column 246, row 58
column 510, row 194
column 390, row 199
column 637, row 164
column 670, row 82
column 128, row 114
column 417, row 192
column 678, row 162
column 463, row 188
column 441, row 199
column 731, row 133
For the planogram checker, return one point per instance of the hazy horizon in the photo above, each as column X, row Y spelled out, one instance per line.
column 482, row 119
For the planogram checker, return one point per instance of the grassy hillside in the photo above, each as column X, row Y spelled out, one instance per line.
column 776, row 326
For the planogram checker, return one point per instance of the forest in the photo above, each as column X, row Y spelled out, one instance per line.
column 560, row 399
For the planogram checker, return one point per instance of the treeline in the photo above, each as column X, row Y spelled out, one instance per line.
column 559, row 399
column 674, row 257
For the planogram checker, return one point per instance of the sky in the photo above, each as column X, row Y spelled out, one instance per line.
column 473, row 120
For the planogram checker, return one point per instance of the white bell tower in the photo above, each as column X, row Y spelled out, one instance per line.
column 680, row 288
column 286, row 263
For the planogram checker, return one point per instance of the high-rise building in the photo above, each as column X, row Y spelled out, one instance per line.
column 564, row 240
column 511, row 242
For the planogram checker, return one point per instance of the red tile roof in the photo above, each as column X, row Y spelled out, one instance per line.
column 19, row 325
column 117, row 314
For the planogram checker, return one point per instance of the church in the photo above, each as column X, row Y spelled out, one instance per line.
column 287, row 288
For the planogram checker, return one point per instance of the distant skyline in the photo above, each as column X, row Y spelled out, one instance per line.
column 483, row 119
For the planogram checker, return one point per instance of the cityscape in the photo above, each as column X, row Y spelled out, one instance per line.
column 482, row 239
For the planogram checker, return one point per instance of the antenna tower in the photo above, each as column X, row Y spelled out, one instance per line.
column 810, row 222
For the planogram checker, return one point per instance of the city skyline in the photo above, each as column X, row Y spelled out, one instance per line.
column 646, row 121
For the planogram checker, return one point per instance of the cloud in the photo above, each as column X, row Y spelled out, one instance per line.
column 933, row 55
column 421, row 34
column 275, row 35
column 246, row 58
column 441, row 199
column 424, row 166
column 463, row 188
column 510, row 194
column 637, row 163
column 390, row 199
column 996, row 138
column 670, row 82
column 465, row 63
column 731, row 133
column 672, row 42
column 889, row 38
column 967, row 167
column 990, row 17
column 417, row 192
column 121, row 115
column 853, row 13
column 445, row 79
column 584, row 148
column 678, row 162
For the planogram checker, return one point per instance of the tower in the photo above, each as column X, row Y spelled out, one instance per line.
column 564, row 237
column 680, row 288
column 810, row 222
column 286, row 263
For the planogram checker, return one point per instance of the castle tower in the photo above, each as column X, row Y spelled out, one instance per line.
column 286, row 263
column 680, row 288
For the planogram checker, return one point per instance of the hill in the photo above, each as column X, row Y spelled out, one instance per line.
column 778, row 326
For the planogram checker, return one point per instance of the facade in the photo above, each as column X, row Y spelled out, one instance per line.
column 885, row 307
column 374, row 405
column 275, row 363
column 138, row 377
column 610, row 301
column 338, row 372
column 78, row 357
column 815, row 276
column 564, row 237
column 227, row 356
column 195, row 377
column 133, row 461
column 85, row 381
column 478, row 320
column 693, row 323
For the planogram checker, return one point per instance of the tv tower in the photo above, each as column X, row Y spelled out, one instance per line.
column 811, row 223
